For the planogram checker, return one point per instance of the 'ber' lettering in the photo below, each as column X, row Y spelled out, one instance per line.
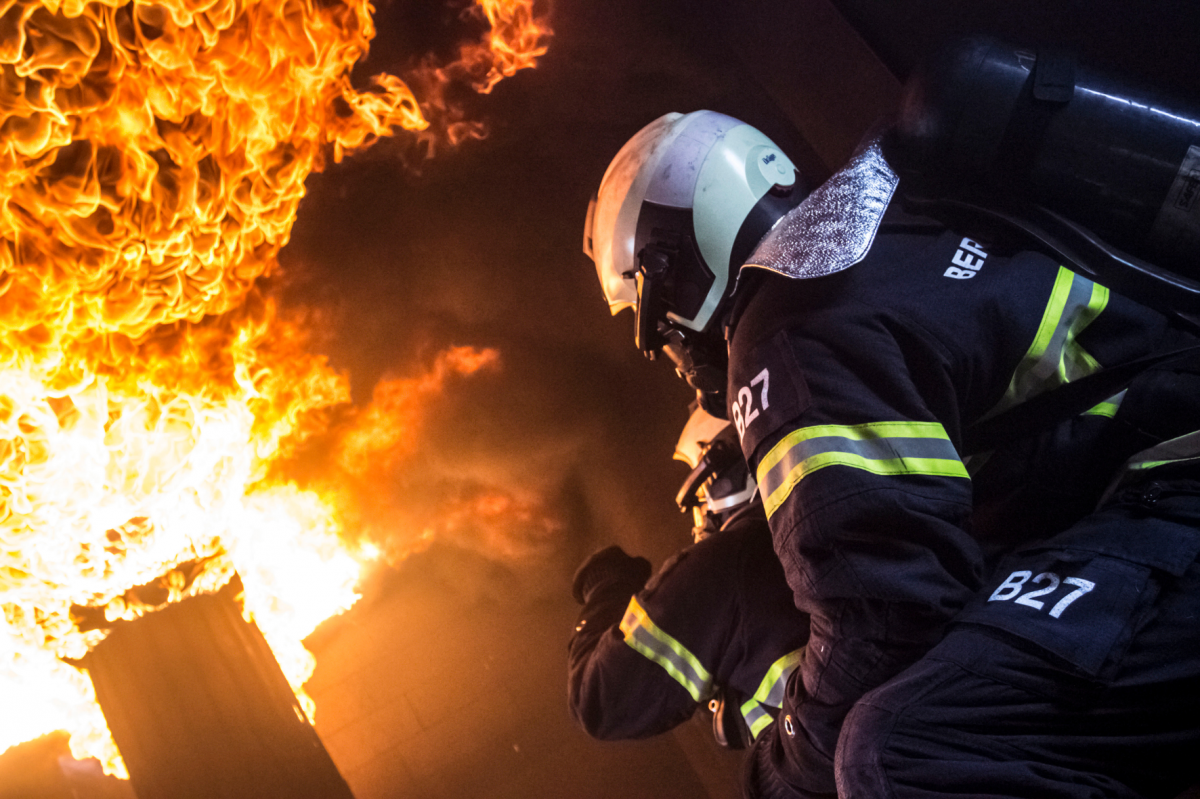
column 968, row 260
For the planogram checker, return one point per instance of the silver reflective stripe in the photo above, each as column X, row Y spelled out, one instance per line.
column 774, row 682
column 1107, row 408
column 644, row 636
column 770, row 692
column 884, row 448
column 1055, row 357
column 757, row 717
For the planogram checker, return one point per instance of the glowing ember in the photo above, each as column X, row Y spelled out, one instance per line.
column 152, row 156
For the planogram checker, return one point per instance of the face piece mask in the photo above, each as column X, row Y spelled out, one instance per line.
column 702, row 363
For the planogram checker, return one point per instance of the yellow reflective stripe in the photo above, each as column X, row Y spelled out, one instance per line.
column 884, row 448
column 757, row 717
column 770, row 692
column 1107, row 408
column 1182, row 449
column 644, row 636
column 1055, row 356
column 1140, row 466
column 774, row 682
column 1143, row 465
column 1078, row 362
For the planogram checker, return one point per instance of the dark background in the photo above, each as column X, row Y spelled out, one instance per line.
column 448, row 679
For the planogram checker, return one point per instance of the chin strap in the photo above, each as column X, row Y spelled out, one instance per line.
column 718, row 456
column 654, row 263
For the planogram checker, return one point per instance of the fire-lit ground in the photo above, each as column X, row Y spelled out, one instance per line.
column 448, row 679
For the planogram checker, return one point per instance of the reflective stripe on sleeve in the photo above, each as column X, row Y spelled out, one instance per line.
column 769, row 693
column 1055, row 357
column 644, row 636
column 1107, row 408
column 774, row 682
column 885, row 448
column 757, row 717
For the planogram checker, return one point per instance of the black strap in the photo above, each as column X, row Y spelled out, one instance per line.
column 1174, row 294
column 1048, row 409
column 1085, row 253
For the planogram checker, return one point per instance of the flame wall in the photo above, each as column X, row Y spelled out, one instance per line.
column 152, row 159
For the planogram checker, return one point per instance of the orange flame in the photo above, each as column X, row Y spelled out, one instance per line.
column 508, row 524
column 404, row 492
column 152, row 157
column 380, row 434
column 515, row 40
column 514, row 43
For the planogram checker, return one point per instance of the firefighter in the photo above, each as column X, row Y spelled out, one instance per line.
column 855, row 347
column 715, row 626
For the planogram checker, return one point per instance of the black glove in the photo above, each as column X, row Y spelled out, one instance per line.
column 609, row 568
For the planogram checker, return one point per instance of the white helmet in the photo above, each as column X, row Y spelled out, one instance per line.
column 679, row 210
column 720, row 483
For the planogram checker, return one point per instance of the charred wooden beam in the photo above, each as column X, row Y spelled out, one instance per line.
column 199, row 708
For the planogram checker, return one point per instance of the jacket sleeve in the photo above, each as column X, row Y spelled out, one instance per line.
column 869, row 508
column 615, row 691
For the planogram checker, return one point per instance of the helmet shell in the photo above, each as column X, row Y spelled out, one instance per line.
column 700, row 431
column 725, row 483
column 691, row 178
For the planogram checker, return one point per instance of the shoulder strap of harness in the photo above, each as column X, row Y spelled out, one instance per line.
column 1081, row 251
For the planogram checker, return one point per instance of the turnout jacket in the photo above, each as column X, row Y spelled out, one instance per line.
column 716, row 615
column 851, row 392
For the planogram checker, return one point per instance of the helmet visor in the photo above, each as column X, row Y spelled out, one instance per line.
column 612, row 216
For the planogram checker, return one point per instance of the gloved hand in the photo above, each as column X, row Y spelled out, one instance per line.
column 611, row 567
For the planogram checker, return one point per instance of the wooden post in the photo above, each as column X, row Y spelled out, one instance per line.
column 200, row 709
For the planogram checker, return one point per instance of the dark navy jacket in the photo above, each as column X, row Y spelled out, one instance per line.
column 851, row 393
column 717, row 615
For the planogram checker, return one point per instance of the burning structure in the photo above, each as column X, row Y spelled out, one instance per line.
column 153, row 158
column 199, row 708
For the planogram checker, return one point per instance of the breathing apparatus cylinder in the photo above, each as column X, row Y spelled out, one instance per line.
column 1116, row 158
